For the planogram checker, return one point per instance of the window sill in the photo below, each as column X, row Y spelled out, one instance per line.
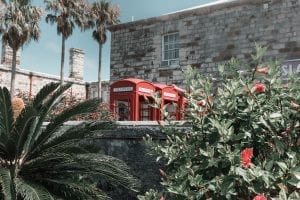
column 169, row 67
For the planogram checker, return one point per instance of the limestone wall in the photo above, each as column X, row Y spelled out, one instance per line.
column 31, row 82
column 208, row 36
column 76, row 64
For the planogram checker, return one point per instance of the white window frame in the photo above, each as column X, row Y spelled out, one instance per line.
column 175, row 48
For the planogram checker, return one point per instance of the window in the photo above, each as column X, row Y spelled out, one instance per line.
column 170, row 49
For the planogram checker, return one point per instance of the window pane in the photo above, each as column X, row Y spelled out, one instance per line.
column 166, row 47
column 166, row 39
column 171, row 46
column 166, row 57
column 171, row 38
column 177, row 37
column 171, row 55
column 177, row 53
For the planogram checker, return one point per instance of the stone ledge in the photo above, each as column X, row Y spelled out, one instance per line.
column 131, row 130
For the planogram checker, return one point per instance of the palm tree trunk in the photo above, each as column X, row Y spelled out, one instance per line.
column 13, row 73
column 62, row 62
column 99, row 71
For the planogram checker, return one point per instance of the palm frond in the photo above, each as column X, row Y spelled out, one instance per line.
column 81, row 108
column 7, row 184
column 51, row 19
column 111, row 169
column 76, row 189
column 31, row 191
column 47, row 106
column 23, row 126
column 6, row 113
column 71, row 138
column 43, row 94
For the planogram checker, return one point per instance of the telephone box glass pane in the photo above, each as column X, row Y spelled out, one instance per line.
column 122, row 110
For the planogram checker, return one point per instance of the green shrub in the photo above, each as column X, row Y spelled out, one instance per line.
column 244, row 141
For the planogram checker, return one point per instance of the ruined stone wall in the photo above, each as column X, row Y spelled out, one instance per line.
column 208, row 36
column 31, row 82
column 93, row 90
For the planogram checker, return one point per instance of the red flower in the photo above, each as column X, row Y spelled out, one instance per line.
column 259, row 88
column 264, row 70
column 294, row 105
column 162, row 198
column 246, row 155
column 260, row 197
column 202, row 103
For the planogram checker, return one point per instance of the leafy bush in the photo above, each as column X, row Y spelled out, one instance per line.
column 48, row 162
column 244, row 140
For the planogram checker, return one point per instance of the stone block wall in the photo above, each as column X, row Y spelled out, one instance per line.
column 208, row 36
column 7, row 54
column 93, row 90
column 31, row 82
column 76, row 64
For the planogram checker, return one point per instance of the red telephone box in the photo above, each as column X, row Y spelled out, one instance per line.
column 130, row 100
column 170, row 98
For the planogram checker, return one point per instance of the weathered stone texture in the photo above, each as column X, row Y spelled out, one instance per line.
column 76, row 64
column 7, row 56
column 208, row 36
column 31, row 82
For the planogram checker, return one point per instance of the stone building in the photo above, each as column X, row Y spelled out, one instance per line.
column 159, row 48
column 29, row 83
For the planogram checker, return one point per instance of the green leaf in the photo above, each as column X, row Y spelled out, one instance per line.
column 297, row 175
column 294, row 196
column 31, row 191
column 81, row 108
column 282, row 165
column 275, row 115
column 227, row 184
column 282, row 195
column 294, row 182
column 7, row 184
column 6, row 113
column 43, row 94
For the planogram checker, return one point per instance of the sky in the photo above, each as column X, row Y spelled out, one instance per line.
column 44, row 55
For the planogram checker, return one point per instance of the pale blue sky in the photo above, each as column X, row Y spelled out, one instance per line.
column 44, row 56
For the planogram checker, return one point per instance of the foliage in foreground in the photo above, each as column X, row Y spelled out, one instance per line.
column 49, row 163
column 244, row 141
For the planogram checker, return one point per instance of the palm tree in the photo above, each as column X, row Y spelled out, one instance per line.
column 103, row 15
column 19, row 25
column 51, row 163
column 66, row 14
